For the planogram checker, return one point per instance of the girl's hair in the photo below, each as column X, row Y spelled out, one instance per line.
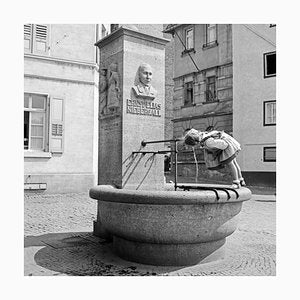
column 192, row 137
column 210, row 128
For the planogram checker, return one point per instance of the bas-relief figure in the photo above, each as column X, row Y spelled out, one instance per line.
column 103, row 91
column 113, row 93
column 142, row 84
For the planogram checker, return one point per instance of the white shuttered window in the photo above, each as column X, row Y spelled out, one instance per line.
column 35, row 122
column 36, row 38
column 28, row 37
column 43, row 123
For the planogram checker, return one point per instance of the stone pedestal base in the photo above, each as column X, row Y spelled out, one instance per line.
column 168, row 254
column 99, row 231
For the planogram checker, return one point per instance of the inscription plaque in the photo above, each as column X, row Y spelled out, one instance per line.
column 143, row 107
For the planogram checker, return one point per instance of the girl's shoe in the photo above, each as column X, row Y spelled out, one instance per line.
column 236, row 184
column 242, row 181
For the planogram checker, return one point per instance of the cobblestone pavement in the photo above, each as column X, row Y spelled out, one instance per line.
column 59, row 241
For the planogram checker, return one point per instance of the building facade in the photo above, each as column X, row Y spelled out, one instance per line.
column 60, row 107
column 213, row 78
column 202, row 87
column 254, row 105
column 224, row 78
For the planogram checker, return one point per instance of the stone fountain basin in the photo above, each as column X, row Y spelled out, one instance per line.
column 167, row 227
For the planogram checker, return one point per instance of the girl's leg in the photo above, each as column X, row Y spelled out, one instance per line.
column 237, row 168
column 240, row 176
column 234, row 174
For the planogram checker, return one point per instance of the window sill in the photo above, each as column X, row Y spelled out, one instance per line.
column 188, row 105
column 210, row 45
column 38, row 154
column 184, row 52
column 269, row 76
column 36, row 53
column 208, row 102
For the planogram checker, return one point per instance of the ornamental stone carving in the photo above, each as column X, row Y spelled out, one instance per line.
column 142, row 84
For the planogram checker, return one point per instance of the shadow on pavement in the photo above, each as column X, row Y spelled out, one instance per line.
column 82, row 254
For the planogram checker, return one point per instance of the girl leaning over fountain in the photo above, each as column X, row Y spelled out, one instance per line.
column 220, row 149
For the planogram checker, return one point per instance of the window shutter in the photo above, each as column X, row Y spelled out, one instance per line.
column 41, row 38
column 28, row 37
column 56, row 132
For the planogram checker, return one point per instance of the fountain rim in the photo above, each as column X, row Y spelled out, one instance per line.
column 109, row 193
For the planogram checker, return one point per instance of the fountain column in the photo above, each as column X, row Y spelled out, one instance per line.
column 132, row 109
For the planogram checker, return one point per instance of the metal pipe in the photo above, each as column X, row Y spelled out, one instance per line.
column 187, row 187
column 153, row 152
column 144, row 143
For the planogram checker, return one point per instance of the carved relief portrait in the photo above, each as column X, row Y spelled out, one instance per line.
column 142, row 84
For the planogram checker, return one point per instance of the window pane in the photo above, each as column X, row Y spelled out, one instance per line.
column 271, row 64
column 37, row 118
column 36, row 143
column 26, row 100
column 211, row 88
column 274, row 112
column 270, row 154
column 189, row 93
column 211, row 79
column 211, row 36
column 189, row 43
column 189, row 39
column 211, row 33
column 34, row 121
column 270, row 113
column 26, row 129
column 104, row 31
column 37, row 130
column 38, row 101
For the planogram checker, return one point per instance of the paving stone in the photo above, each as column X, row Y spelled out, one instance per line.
column 59, row 242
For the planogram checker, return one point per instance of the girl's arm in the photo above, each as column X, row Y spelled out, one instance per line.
column 216, row 143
